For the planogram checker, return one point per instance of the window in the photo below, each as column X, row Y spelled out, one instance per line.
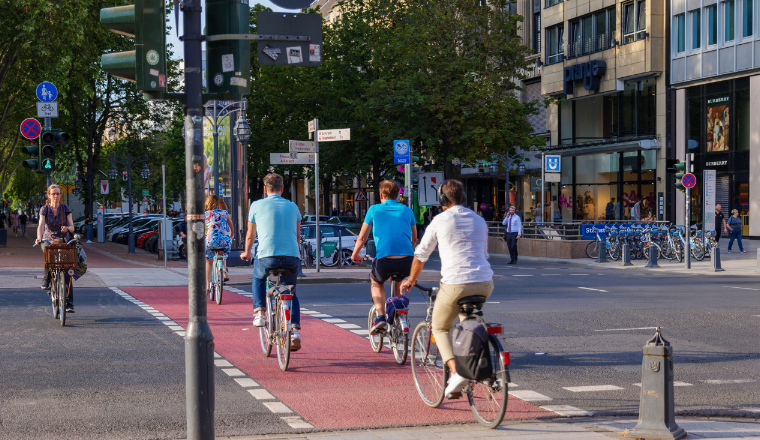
column 555, row 44
column 696, row 29
column 680, row 32
column 634, row 21
column 712, row 25
column 747, row 18
column 730, row 14
column 552, row 2
column 537, row 32
column 592, row 33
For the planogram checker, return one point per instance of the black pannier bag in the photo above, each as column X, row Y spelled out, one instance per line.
column 470, row 345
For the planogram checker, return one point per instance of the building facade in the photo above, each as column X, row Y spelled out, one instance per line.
column 715, row 66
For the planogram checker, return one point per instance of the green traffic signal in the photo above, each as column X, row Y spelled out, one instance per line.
column 47, row 151
column 680, row 169
column 33, row 163
column 146, row 65
column 228, row 61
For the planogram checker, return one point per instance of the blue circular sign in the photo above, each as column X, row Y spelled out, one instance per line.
column 402, row 147
column 689, row 180
column 30, row 128
column 47, row 92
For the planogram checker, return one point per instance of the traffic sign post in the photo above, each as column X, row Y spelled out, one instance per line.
column 104, row 186
column 302, row 146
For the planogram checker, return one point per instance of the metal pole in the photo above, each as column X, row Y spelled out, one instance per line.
column 216, row 152
column 543, row 185
column 199, row 342
column 687, row 233
column 47, row 126
column 167, row 230
column 131, row 237
column 316, row 190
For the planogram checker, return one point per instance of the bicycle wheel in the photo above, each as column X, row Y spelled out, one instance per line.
column 698, row 251
column 428, row 369
column 488, row 399
column 62, row 293
column 265, row 333
column 53, row 292
column 283, row 336
column 399, row 340
column 376, row 341
column 219, row 282
column 592, row 250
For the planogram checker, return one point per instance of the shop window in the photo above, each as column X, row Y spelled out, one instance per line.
column 696, row 30
column 747, row 11
column 634, row 21
column 712, row 25
column 729, row 14
column 680, row 31
column 555, row 44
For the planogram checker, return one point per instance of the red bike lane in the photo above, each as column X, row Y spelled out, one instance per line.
column 335, row 381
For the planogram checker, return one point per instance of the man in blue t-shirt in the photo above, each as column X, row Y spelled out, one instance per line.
column 278, row 223
column 395, row 232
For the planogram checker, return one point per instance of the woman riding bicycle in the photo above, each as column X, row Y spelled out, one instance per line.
column 462, row 239
column 56, row 224
column 219, row 235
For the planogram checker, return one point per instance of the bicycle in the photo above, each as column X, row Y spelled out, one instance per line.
column 277, row 330
column 217, row 275
column 397, row 334
column 60, row 257
column 488, row 398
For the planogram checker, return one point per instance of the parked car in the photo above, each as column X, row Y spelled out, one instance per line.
column 313, row 218
column 352, row 223
column 330, row 233
column 143, row 238
column 136, row 223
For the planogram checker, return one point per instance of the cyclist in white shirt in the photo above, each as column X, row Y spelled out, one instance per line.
column 462, row 239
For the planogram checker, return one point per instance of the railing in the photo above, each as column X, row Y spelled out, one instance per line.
column 558, row 230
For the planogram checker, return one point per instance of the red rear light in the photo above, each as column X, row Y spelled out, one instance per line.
column 495, row 330
column 402, row 312
column 505, row 355
column 287, row 314
column 286, row 297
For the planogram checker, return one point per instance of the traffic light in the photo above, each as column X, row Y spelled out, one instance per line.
column 33, row 163
column 47, row 150
column 228, row 64
column 680, row 168
column 124, row 176
column 146, row 65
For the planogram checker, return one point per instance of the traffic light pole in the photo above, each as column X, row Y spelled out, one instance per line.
column 47, row 127
column 687, row 221
column 199, row 342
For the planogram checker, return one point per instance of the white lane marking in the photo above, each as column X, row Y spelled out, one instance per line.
column 261, row 394
column 334, row 320
column 232, row 372
column 675, row 384
column 566, row 410
column 529, row 396
column 595, row 290
column 310, row 312
column 321, row 315
column 742, row 288
column 755, row 410
column 360, row 332
column 347, row 326
column 246, row 382
column 180, row 333
column 625, row 329
column 217, row 355
column 522, row 275
column 163, row 318
column 277, row 407
column 176, row 327
column 169, row 323
column 589, row 388
column 727, row 381
column 578, row 274
column 297, row 422
column 222, row 363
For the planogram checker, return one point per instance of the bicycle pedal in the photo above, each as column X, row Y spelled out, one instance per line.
column 454, row 396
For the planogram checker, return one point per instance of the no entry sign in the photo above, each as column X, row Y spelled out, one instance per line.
column 30, row 128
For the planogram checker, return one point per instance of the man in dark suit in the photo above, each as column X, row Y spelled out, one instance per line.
column 513, row 232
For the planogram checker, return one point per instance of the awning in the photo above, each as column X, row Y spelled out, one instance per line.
column 606, row 146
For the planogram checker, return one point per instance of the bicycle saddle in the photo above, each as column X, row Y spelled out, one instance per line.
column 398, row 277
column 475, row 300
column 217, row 249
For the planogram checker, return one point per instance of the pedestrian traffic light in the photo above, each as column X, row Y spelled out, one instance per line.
column 680, row 168
column 47, row 151
column 228, row 64
column 33, row 163
column 124, row 176
column 146, row 65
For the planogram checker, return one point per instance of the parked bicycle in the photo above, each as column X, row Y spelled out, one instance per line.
column 488, row 398
column 60, row 259
column 277, row 331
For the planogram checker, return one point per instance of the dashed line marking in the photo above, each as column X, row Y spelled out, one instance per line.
column 334, row 320
column 522, row 275
column 625, row 329
column 321, row 315
column 246, row 382
column 727, row 381
column 741, row 288
column 360, row 332
column 277, row 407
column 222, row 363
column 232, row 372
column 578, row 274
column 261, row 394
column 529, row 396
column 595, row 290
column 589, row 388
column 675, row 384
column 297, row 422
column 755, row 410
column 566, row 410
column 347, row 326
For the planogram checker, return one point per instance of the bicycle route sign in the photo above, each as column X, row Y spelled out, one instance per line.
column 30, row 128
column 689, row 180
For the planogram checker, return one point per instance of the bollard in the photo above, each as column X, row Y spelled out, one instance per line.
column 626, row 256
column 654, row 252
column 715, row 260
column 602, row 257
column 657, row 419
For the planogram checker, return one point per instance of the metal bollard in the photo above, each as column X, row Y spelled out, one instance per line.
column 602, row 257
column 715, row 260
column 657, row 407
column 626, row 257
column 654, row 252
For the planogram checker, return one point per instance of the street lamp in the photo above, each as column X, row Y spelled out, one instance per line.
column 113, row 173
column 370, row 181
column 242, row 130
column 145, row 171
column 128, row 162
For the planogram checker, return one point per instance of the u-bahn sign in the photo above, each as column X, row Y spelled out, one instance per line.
column 590, row 72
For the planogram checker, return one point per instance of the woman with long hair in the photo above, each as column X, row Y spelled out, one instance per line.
column 56, row 224
column 219, row 235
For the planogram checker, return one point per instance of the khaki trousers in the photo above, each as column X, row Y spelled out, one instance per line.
column 446, row 310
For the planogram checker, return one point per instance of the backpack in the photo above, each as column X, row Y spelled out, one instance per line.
column 471, row 354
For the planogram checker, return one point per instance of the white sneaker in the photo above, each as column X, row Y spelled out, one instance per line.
column 88, row 241
column 295, row 340
column 455, row 386
column 259, row 321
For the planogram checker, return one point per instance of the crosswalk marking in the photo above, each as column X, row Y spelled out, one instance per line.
column 727, row 381
column 261, row 394
column 566, row 410
column 588, row 388
column 297, row 422
column 529, row 396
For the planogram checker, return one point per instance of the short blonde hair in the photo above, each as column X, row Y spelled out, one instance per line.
column 52, row 187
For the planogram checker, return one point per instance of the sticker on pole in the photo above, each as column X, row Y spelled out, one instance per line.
column 30, row 128
column 689, row 180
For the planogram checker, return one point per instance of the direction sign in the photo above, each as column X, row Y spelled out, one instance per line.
column 47, row 109
column 360, row 196
column 291, row 158
column 302, row 146
column 689, row 180
column 47, row 92
column 340, row 134
column 401, row 152
column 428, row 188
column 30, row 128
column 552, row 163
column 311, row 126
column 104, row 186
column 145, row 192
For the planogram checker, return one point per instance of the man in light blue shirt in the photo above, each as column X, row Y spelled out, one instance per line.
column 278, row 223
column 395, row 232
column 513, row 233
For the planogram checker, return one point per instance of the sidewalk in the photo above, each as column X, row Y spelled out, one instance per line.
column 555, row 429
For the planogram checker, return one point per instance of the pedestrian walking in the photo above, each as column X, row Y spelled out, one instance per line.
column 14, row 223
column 720, row 223
column 22, row 220
column 636, row 211
column 609, row 210
column 734, row 225
column 88, row 227
column 488, row 213
column 514, row 232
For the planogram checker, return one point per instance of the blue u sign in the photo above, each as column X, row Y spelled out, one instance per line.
column 553, row 163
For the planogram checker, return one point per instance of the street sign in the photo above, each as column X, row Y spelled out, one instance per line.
column 291, row 158
column 302, row 146
column 552, row 177
column 30, row 128
column 689, row 180
column 47, row 109
column 535, row 184
column 145, row 199
column 360, row 196
column 311, row 126
column 428, row 188
column 47, row 92
column 145, row 192
column 552, row 163
column 104, row 186
column 401, row 152
column 340, row 134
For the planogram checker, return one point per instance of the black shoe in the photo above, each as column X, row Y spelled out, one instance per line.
column 511, row 262
column 378, row 325
column 70, row 308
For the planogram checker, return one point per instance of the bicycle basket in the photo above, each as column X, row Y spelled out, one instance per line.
column 60, row 257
